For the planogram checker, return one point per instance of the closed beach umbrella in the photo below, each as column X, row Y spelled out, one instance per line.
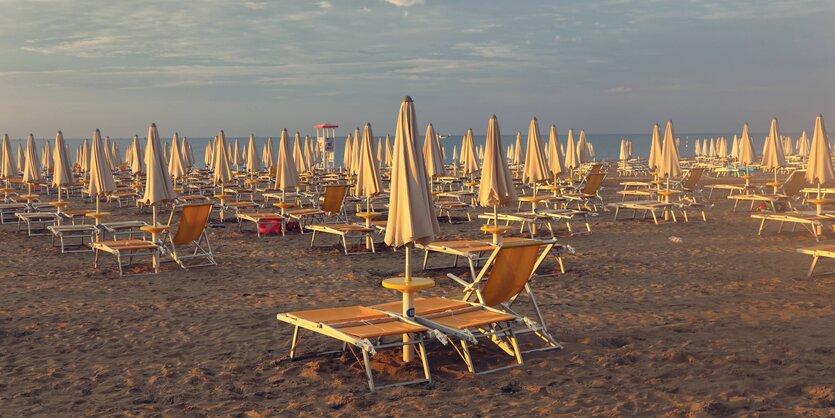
column 622, row 155
column 518, row 155
column 8, row 168
column 62, row 170
column 655, row 148
column 46, row 157
column 773, row 158
column 669, row 166
column 389, row 150
column 309, row 153
column 176, row 166
column 298, row 155
column 583, row 155
column 735, row 148
column 536, row 170
column 819, row 167
column 286, row 175
column 555, row 157
column 381, row 150
column 186, row 154
column 158, row 185
column 137, row 162
column 222, row 173
column 803, row 145
column 747, row 155
column 269, row 154
column 368, row 180
column 496, row 187
column 207, row 155
column 101, row 178
column 469, row 160
column 349, row 149
column 571, row 152
column 722, row 148
column 432, row 154
column 253, row 163
column 712, row 149
column 32, row 168
column 21, row 158
column 355, row 151
column 697, row 148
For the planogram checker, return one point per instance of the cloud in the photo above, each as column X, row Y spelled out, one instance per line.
column 620, row 90
column 405, row 3
column 254, row 5
column 325, row 5
column 486, row 50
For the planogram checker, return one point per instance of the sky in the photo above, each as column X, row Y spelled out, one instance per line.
column 607, row 66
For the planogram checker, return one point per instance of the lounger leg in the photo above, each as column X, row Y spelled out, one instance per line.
column 814, row 263
column 424, row 359
column 312, row 239
column 762, row 225
column 468, row 359
column 367, row 362
column 294, row 343
column 425, row 258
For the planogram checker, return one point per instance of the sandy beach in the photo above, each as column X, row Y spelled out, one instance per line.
column 687, row 319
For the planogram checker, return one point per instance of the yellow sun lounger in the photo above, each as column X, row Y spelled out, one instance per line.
column 811, row 221
column 260, row 219
column 128, row 248
column 474, row 251
column 190, row 241
column 486, row 310
column 645, row 207
column 343, row 231
column 818, row 252
column 332, row 205
column 364, row 329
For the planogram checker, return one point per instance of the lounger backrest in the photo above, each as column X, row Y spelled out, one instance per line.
column 795, row 183
column 693, row 178
column 512, row 268
column 593, row 182
column 334, row 196
column 595, row 168
column 192, row 223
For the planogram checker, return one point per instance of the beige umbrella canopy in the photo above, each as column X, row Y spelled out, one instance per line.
column 669, row 166
column 411, row 213
column 432, row 154
column 735, row 148
column 286, row 175
column 819, row 167
column 469, row 161
column 101, row 178
column 32, row 168
column 46, row 157
column 773, row 158
column 803, row 145
column 747, row 155
column 309, row 154
column 137, row 162
column 655, row 148
column 115, row 156
column 186, row 155
column 555, row 157
column 253, row 164
column 698, row 148
column 298, row 155
column 21, row 158
column 346, row 158
column 176, row 166
column 222, row 173
column 536, row 170
column 62, row 170
column 583, row 153
column 496, row 187
column 381, row 150
column 571, row 152
column 158, row 185
column 207, row 155
column 269, row 154
column 8, row 169
column 518, row 156
column 368, row 180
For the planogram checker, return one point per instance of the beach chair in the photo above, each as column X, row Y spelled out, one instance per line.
column 818, row 252
column 791, row 188
column 128, row 248
column 68, row 234
column 645, row 207
column 331, row 205
column 190, row 241
column 36, row 222
column 486, row 311
column 365, row 329
column 589, row 194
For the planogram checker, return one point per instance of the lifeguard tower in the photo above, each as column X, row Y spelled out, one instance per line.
column 325, row 134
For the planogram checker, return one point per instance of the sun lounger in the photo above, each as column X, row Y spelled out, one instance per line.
column 68, row 234
column 36, row 222
column 332, row 205
column 474, row 251
column 190, row 241
column 124, row 228
column 363, row 329
column 343, row 231
column 129, row 249
column 645, row 207
column 791, row 188
column 486, row 310
column 589, row 194
column 261, row 220
column 811, row 221
column 818, row 252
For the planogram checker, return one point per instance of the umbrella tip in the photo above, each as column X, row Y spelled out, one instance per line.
column 153, row 125
column 407, row 99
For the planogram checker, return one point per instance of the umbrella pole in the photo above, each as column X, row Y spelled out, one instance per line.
column 818, row 205
column 775, row 180
column 408, row 307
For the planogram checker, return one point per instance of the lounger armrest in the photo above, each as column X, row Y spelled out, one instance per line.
column 467, row 286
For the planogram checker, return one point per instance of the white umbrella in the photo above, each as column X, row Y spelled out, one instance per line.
column 8, row 167
column 819, row 167
column 432, row 154
column 518, row 156
column 698, row 148
column 186, row 154
column 583, row 155
column 773, row 157
column 137, row 162
column 298, row 155
column 62, row 172
column 735, row 148
column 253, row 164
column 368, row 181
column 222, row 173
column 496, row 188
column 176, row 166
column 555, row 157
column 388, row 150
column 32, row 168
column 269, row 154
column 286, row 176
column 571, row 152
column 411, row 213
column 803, row 145
column 101, row 178
column 469, row 160
column 349, row 150
column 655, row 149
column 46, row 158
column 535, row 170
column 21, row 158
column 158, row 185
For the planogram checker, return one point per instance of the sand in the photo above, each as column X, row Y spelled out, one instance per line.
column 695, row 319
